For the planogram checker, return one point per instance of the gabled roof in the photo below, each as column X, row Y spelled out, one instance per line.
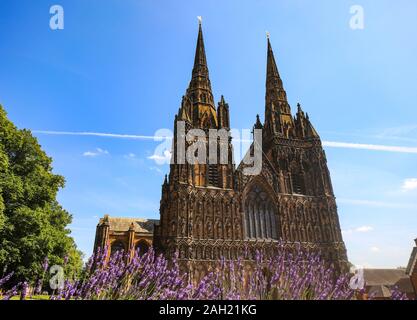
column 140, row 225
column 376, row 279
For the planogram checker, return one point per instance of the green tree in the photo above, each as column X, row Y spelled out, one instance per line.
column 32, row 223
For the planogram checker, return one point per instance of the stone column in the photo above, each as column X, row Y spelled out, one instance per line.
column 131, row 240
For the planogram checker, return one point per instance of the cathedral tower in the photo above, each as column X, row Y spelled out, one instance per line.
column 199, row 205
column 211, row 210
column 294, row 182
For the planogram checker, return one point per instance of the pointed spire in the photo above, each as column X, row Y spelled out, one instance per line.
column 300, row 122
column 277, row 110
column 199, row 90
column 273, row 79
column 271, row 66
column 223, row 117
column 258, row 124
column 300, row 113
column 200, row 60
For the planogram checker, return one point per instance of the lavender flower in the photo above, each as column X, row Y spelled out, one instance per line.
column 5, row 279
column 287, row 274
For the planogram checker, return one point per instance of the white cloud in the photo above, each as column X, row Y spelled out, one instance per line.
column 100, row 134
column 161, row 159
column 334, row 144
column 364, row 229
column 373, row 147
column 377, row 204
column 409, row 184
column 130, row 156
column 375, row 249
column 95, row 153
column 361, row 229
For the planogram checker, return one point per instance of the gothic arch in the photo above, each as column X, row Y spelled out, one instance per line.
column 116, row 246
column 260, row 211
column 141, row 247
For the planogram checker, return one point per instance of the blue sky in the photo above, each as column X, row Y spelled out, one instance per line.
column 121, row 67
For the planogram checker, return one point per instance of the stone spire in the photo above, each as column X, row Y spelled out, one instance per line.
column 223, row 117
column 258, row 124
column 199, row 90
column 200, row 61
column 278, row 119
column 274, row 85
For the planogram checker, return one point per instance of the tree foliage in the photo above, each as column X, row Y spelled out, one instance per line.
column 32, row 223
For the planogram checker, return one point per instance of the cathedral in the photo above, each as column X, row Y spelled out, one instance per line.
column 209, row 211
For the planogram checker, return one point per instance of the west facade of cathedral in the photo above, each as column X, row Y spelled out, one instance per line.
column 213, row 210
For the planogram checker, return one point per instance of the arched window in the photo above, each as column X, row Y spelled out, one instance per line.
column 142, row 247
column 260, row 217
column 117, row 246
column 298, row 186
column 213, row 175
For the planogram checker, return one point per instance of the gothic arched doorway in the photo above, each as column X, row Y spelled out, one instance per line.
column 260, row 215
column 117, row 246
column 142, row 247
